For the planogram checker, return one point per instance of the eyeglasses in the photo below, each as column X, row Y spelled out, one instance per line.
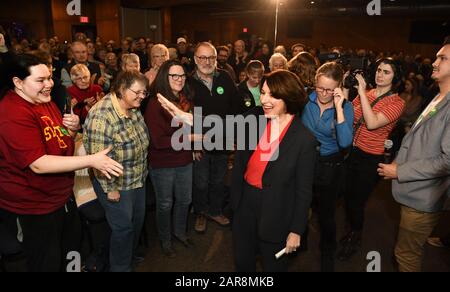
column 177, row 77
column 84, row 78
column 139, row 93
column 204, row 59
column 324, row 90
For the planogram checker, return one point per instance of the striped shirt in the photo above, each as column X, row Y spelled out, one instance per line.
column 373, row 141
column 107, row 125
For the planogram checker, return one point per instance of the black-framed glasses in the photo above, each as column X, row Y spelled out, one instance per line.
column 139, row 93
column 177, row 77
column 204, row 59
column 324, row 90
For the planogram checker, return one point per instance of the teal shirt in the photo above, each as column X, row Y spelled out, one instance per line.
column 256, row 92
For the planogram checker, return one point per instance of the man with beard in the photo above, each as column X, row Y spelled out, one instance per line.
column 216, row 93
column 421, row 171
column 223, row 53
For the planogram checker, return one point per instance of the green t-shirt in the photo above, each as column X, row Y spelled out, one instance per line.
column 256, row 92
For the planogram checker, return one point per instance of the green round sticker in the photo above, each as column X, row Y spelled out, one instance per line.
column 220, row 90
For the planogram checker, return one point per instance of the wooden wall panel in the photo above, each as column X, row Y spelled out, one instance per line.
column 108, row 19
column 387, row 34
column 62, row 22
column 35, row 15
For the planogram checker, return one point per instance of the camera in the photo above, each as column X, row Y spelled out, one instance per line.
column 350, row 81
column 356, row 65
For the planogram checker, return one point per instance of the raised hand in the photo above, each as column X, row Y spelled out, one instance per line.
column 177, row 113
column 339, row 98
column 362, row 85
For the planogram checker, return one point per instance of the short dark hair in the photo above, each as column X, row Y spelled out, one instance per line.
column 161, row 84
column 397, row 81
column 126, row 79
column 287, row 86
column 19, row 66
column 446, row 41
column 223, row 48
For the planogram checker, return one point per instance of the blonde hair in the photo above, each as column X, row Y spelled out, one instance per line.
column 159, row 48
column 78, row 70
column 278, row 56
column 130, row 59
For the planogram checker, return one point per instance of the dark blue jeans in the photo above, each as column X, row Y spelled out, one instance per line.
column 172, row 184
column 209, row 186
column 126, row 219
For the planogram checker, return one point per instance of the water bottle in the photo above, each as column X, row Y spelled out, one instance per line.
column 388, row 144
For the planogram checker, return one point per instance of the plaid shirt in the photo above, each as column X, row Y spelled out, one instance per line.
column 107, row 125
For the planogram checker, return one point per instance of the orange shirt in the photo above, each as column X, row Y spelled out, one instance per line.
column 373, row 141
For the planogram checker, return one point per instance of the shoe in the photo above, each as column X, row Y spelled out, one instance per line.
column 350, row 246
column 220, row 219
column 435, row 241
column 186, row 242
column 168, row 251
column 200, row 224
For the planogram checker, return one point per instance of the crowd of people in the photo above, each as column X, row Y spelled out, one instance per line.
column 329, row 137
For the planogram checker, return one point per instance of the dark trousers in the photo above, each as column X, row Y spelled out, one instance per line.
column 47, row 239
column 9, row 245
column 99, row 234
column 329, row 173
column 209, row 184
column 362, row 178
column 246, row 241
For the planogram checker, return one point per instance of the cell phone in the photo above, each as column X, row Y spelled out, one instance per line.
column 68, row 105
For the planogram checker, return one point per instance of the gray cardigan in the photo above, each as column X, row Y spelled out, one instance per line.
column 424, row 162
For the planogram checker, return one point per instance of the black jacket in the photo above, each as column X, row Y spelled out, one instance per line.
column 287, row 184
column 247, row 102
column 222, row 100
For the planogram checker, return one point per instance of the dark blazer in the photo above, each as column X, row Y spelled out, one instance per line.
column 424, row 162
column 287, row 184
